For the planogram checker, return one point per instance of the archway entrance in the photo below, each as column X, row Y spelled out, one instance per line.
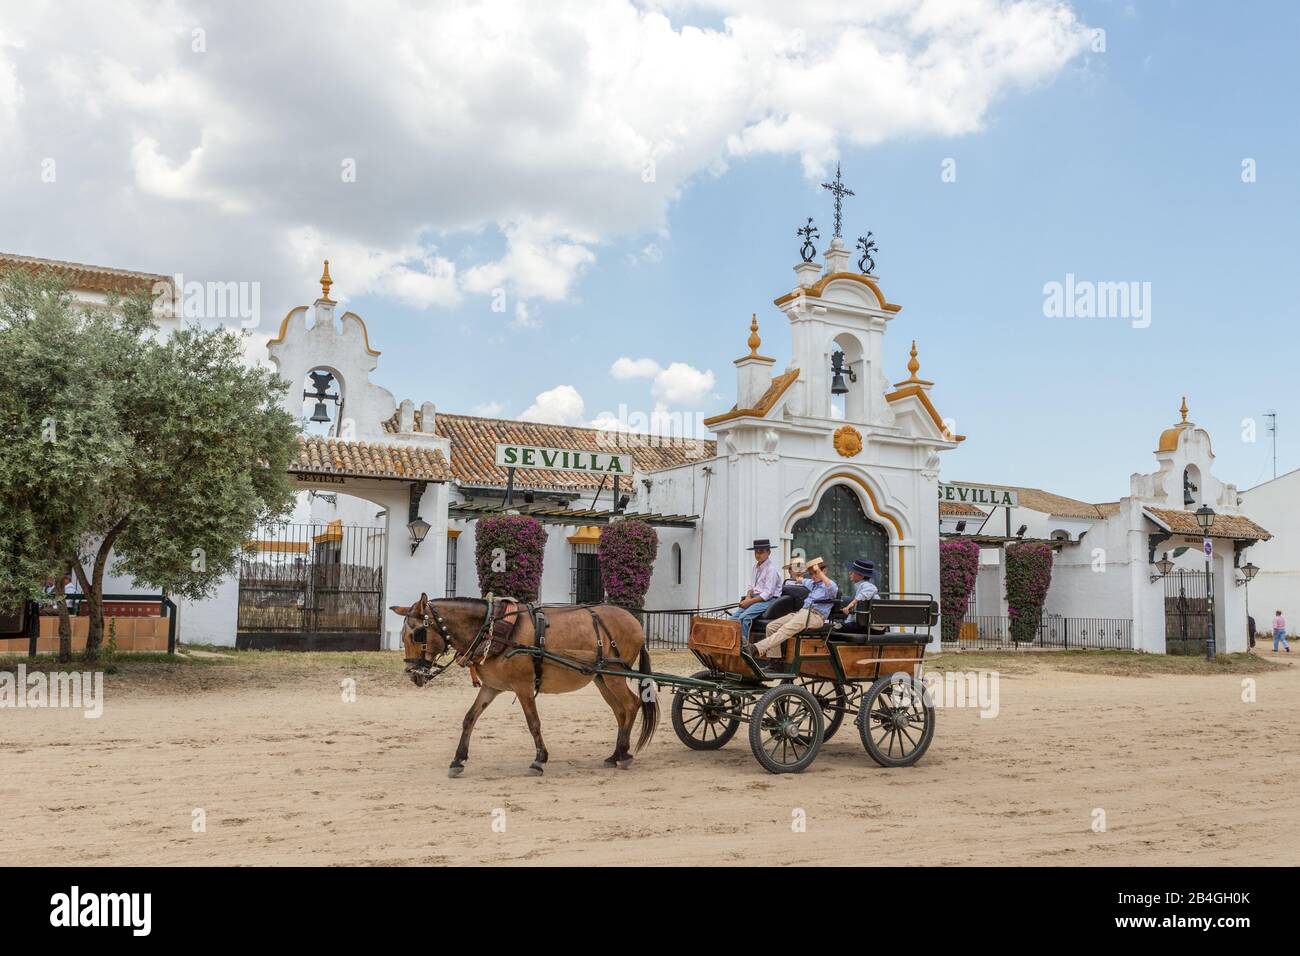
column 840, row 531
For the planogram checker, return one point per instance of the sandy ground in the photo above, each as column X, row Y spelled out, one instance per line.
column 285, row 772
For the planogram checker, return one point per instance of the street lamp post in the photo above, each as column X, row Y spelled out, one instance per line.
column 1249, row 571
column 1205, row 518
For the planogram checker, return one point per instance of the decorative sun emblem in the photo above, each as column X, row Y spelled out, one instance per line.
column 848, row 441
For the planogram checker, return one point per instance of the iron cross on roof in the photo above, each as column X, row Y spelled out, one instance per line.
column 839, row 191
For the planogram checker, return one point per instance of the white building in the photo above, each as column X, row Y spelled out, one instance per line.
column 790, row 465
column 839, row 466
column 1106, row 572
column 1276, row 586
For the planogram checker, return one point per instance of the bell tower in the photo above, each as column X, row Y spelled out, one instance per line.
column 838, row 319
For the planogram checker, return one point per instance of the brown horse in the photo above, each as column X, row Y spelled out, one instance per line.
column 433, row 629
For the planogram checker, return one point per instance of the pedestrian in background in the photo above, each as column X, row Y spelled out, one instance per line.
column 1279, row 633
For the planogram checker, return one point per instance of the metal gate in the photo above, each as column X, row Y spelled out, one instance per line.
column 312, row 587
column 1187, row 612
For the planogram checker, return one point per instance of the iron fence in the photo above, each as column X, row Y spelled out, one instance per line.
column 668, row 630
column 993, row 632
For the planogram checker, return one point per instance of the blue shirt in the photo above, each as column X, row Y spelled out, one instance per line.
column 865, row 591
column 822, row 596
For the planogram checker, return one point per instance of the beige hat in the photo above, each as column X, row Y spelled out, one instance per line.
column 816, row 563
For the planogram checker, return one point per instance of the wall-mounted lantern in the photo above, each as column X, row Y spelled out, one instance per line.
column 1163, row 567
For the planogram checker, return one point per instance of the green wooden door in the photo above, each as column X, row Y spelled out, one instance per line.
column 840, row 531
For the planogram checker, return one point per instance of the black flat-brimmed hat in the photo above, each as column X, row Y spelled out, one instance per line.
column 864, row 567
column 761, row 544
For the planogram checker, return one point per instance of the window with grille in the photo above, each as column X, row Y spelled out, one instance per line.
column 451, row 565
column 585, row 588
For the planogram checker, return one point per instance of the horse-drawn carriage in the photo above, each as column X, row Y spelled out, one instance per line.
column 868, row 665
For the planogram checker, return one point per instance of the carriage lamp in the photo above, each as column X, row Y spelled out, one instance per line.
column 1205, row 517
column 418, row 528
column 838, row 368
column 320, row 382
column 1250, row 571
column 1164, row 566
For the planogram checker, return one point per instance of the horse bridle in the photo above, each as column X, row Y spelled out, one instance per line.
column 434, row 619
column 421, row 635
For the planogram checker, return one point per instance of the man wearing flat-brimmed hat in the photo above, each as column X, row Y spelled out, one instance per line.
column 862, row 574
column 764, row 586
column 816, row 609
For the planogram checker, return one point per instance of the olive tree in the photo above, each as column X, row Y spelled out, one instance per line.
column 161, row 455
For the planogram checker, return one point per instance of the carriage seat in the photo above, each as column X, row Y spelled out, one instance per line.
column 788, row 601
column 874, row 624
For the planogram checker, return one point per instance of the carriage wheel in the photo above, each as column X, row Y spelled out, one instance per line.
column 833, row 700
column 785, row 729
column 703, row 718
column 895, row 721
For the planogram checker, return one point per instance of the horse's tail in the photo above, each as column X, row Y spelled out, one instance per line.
column 649, row 693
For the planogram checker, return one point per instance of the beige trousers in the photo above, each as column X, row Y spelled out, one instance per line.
column 784, row 628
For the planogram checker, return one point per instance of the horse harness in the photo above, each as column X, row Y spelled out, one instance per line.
column 496, row 636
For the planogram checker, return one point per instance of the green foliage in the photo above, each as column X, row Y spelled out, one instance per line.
column 110, row 646
column 165, row 454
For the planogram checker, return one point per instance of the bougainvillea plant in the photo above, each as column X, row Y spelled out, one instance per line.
column 1029, row 575
column 508, row 552
column 959, row 564
column 627, row 555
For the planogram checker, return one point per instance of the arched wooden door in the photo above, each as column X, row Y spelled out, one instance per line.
column 840, row 531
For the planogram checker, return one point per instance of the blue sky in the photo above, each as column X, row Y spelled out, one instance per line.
column 502, row 144
column 1126, row 167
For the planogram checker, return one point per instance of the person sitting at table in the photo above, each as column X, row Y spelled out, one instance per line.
column 816, row 609
column 764, row 586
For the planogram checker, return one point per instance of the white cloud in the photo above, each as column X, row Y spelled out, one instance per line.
column 550, row 129
column 413, row 275
column 682, row 384
column 678, row 384
column 542, row 260
column 488, row 410
column 624, row 368
column 561, row 405
column 525, row 316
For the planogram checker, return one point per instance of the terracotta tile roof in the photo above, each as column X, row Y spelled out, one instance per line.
column 1236, row 527
column 86, row 277
column 359, row 459
column 474, row 442
column 765, row 403
column 960, row 508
